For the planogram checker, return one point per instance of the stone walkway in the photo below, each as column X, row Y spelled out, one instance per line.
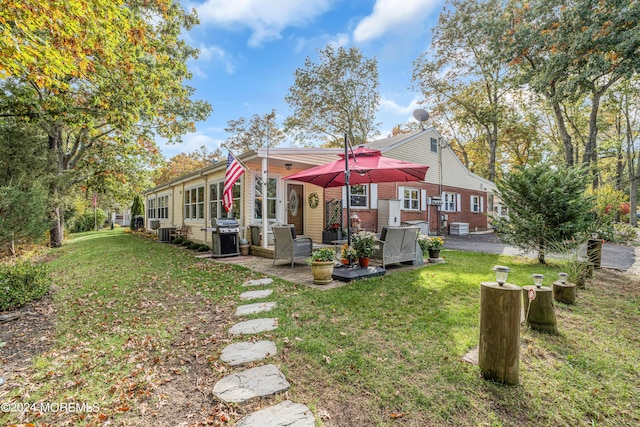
column 261, row 381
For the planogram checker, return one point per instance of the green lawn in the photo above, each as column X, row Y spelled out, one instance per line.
column 379, row 352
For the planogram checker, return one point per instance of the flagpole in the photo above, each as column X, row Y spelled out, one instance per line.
column 241, row 162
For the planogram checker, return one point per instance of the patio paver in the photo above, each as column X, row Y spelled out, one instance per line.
column 258, row 282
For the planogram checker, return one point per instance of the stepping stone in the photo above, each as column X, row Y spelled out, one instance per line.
column 258, row 282
column 471, row 356
column 254, row 326
column 255, row 294
column 257, row 307
column 255, row 382
column 245, row 352
column 284, row 414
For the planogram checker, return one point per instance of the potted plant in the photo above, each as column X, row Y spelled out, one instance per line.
column 349, row 254
column 364, row 243
column 433, row 246
column 321, row 262
column 332, row 233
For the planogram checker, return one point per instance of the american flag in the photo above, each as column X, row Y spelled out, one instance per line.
column 234, row 171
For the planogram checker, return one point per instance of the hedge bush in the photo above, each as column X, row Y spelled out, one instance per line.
column 21, row 283
column 203, row 248
column 87, row 221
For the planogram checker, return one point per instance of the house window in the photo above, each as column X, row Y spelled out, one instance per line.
column 434, row 145
column 194, row 203
column 151, row 208
column 449, row 202
column 216, row 208
column 411, row 199
column 476, row 205
column 271, row 199
column 359, row 196
column 163, row 207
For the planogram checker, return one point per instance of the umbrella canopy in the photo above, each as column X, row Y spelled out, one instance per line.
column 366, row 166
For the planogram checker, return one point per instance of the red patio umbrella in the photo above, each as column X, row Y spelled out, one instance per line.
column 366, row 166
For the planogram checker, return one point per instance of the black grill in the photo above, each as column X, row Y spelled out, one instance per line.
column 224, row 237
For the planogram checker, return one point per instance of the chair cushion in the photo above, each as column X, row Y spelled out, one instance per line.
column 383, row 233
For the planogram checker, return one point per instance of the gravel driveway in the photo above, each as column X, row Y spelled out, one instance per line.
column 619, row 257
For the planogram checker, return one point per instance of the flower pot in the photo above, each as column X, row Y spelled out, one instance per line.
column 244, row 249
column 363, row 262
column 434, row 253
column 345, row 261
column 322, row 272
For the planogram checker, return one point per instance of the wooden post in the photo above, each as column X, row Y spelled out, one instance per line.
column 564, row 292
column 499, row 349
column 539, row 313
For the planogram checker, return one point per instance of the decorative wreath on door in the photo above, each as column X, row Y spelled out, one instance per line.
column 313, row 200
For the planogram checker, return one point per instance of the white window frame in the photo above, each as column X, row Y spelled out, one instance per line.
column 163, row 206
column 433, row 144
column 450, row 202
column 151, row 208
column 476, row 207
column 216, row 208
column 272, row 199
column 411, row 203
column 194, row 209
column 364, row 197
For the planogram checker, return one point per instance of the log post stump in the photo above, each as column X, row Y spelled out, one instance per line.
column 499, row 349
column 539, row 313
column 564, row 292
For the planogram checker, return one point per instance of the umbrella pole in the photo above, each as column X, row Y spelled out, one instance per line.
column 346, row 182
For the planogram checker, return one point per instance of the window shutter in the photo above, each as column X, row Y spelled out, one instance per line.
column 481, row 204
column 344, row 196
column 471, row 204
column 401, row 197
column 423, row 200
column 373, row 197
column 458, row 204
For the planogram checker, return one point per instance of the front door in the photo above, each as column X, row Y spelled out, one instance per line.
column 295, row 205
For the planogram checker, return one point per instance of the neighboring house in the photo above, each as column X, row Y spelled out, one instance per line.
column 196, row 198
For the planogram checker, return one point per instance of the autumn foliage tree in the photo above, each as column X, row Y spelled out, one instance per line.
column 100, row 75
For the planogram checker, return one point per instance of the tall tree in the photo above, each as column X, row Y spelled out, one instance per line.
column 124, row 87
column 185, row 163
column 336, row 96
column 568, row 49
column 463, row 72
column 256, row 132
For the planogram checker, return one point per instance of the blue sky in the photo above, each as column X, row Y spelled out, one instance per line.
column 250, row 49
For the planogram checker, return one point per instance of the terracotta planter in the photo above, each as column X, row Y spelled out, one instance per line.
column 322, row 272
column 363, row 262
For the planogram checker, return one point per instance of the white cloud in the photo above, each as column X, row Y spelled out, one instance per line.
column 336, row 40
column 391, row 107
column 191, row 142
column 392, row 16
column 266, row 19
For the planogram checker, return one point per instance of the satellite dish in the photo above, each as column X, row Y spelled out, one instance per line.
column 421, row 115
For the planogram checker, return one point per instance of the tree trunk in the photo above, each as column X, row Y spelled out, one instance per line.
column 590, row 155
column 56, row 234
column 564, row 292
column 539, row 313
column 564, row 134
column 499, row 349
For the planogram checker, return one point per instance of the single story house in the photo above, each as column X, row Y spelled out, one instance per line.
column 450, row 194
